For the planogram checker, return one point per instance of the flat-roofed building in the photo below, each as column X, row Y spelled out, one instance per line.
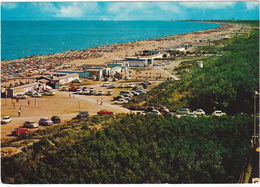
column 86, row 73
column 56, row 82
column 24, row 88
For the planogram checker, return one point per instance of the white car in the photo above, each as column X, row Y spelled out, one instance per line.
column 106, row 84
column 131, row 85
column 218, row 113
column 30, row 124
column 199, row 112
column 78, row 91
column 121, row 86
column 20, row 96
column 154, row 112
column 6, row 119
column 49, row 93
column 36, row 95
column 100, row 92
column 121, row 101
column 190, row 115
column 183, row 111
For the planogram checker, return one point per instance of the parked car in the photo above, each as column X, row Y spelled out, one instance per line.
column 49, row 93
column 137, row 88
column 105, row 79
column 92, row 91
column 76, row 81
column 121, row 86
column 191, row 114
column 218, row 113
column 112, row 86
column 106, row 84
column 29, row 93
column 135, row 93
column 105, row 112
column 30, row 124
column 146, row 83
column 154, row 112
column 64, row 88
column 125, row 92
column 182, row 111
column 78, row 91
column 109, row 92
column 199, row 112
column 82, row 114
column 85, row 92
column 55, row 119
column 121, row 101
column 118, row 97
column 150, row 108
column 127, row 99
column 141, row 91
column 36, row 95
column 19, row 131
column 84, row 89
column 131, row 85
column 100, row 92
column 164, row 109
column 45, row 122
column 127, row 77
column 93, row 77
column 20, row 96
column 115, row 79
column 6, row 119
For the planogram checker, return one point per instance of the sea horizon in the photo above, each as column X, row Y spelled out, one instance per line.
column 30, row 38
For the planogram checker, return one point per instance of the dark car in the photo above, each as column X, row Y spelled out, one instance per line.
column 55, row 119
column 83, row 114
column 45, row 122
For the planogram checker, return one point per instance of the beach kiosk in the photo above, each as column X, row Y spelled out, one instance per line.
column 200, row 64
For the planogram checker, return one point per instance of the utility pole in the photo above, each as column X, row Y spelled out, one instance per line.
column 254, row 137
column 79, row 105
column 5, row 96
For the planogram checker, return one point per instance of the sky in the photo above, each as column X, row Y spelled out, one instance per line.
column 130, row 10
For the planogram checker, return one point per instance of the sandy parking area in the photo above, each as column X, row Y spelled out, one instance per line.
column 61, row 104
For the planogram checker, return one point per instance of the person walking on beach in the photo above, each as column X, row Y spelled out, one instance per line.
column 19, row 112
column 97, row 101
column 101, row 102
column 28, row 102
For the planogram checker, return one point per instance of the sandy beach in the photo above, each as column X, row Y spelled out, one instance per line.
column 107, row 53
column 46, row 107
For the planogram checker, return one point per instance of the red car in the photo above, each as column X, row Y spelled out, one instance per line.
column 19, row 131
column 105, row 112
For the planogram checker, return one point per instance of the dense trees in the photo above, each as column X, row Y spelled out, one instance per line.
column 133, row 149
column 226, row 82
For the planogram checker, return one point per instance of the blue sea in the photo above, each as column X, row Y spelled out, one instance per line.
column 26, row 38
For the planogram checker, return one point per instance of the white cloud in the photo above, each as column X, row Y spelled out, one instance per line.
column 207, row 5
column 125, row 10
column 9, row 6
column 166, row 6
column 251, row 5
column 68, row 10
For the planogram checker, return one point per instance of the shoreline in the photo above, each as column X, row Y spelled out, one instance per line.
column 107, row 53
column 123, row 43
